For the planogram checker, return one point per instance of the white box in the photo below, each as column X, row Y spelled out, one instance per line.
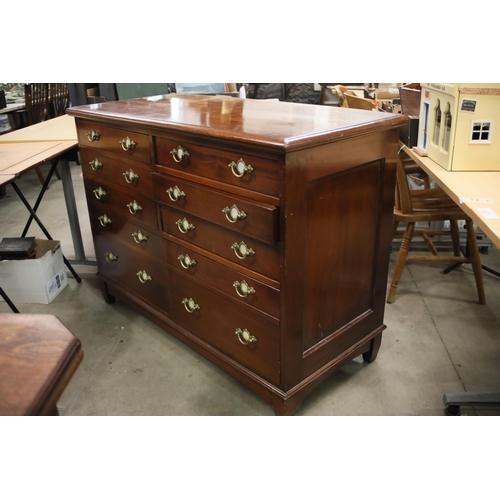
column 38, row 280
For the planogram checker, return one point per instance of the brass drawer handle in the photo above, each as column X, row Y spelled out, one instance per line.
column 175, row 193
column 104, row 220
column 190, row 305
column 92, row 135
column 240, row 168
column 186, row 261
column 127, row 144
column 99, row 193
column 134, row 207
column 233, row 214
column 244, row 336
column 110, row 256
column 139, row 237
column 179, row 154
column 130, row 176
column 243, row 289
column 95, row 164
column 144, row 276
column 242, row 251
column 184, row 225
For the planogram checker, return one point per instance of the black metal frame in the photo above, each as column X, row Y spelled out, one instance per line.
column 34, row 216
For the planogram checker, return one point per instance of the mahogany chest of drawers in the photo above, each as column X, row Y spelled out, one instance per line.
column 257, row 232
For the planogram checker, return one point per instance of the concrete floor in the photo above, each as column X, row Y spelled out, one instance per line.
column 438, row 339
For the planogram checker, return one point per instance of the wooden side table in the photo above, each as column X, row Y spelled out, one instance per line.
column 38, row 357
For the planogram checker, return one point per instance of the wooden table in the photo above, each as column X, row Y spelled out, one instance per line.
column 477, row 193
column 11, row 109
column 57, row 134
column 61, row 128
column 38, row 357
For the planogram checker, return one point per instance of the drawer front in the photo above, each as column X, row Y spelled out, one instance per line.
column 242, row 250
column 150, row 286
column 114, row 140
column 123, row 172
column 237, row 285
column 216, row 321
column 257, row 220
column 138, row 237
column 125, row 203
column 261, row 174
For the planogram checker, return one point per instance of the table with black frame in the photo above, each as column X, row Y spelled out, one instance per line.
column 19, row 157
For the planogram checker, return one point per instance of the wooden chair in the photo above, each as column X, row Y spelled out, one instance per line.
column 356, row 102
column 428, row 205
column 36, row 97
column 58, row 99
column 341, row 91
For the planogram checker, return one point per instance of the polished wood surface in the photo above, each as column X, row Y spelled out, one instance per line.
column 268, row 124
column 475, row 192
column 317, row 187
column 38, row 356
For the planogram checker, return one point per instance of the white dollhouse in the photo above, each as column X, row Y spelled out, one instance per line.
column 459, row 125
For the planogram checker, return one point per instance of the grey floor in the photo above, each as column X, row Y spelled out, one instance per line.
column 438, row 339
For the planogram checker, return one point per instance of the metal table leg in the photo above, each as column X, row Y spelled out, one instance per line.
column 42, row 227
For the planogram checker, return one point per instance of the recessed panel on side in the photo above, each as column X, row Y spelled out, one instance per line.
column 341, row 236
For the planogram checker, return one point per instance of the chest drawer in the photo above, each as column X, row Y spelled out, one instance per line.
column 255, row 219
column 246, row 338
column 139, row 273
column 244, row 170
column 125, row 203
column 239, row 286
column 241, row 250
column 131, row 145
column 123, row 172
column 139, row 237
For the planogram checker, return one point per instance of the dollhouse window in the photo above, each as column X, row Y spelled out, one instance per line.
column 447, row 128
column 425, row 125
column 480, row 132
column 437, row 123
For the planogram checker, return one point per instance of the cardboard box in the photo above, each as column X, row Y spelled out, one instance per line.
column 38, row 280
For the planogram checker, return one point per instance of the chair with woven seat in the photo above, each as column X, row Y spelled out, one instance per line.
column 425, row 206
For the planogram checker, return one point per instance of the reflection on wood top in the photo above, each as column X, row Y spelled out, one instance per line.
column 272, row 123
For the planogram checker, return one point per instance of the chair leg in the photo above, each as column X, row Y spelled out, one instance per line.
column 475, row 260
column 455, row 237
column 401, row 261
column 58, row 175
column 41, row 178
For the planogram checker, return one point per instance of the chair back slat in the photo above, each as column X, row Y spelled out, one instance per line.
column 36, row 97
column 59, row 98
